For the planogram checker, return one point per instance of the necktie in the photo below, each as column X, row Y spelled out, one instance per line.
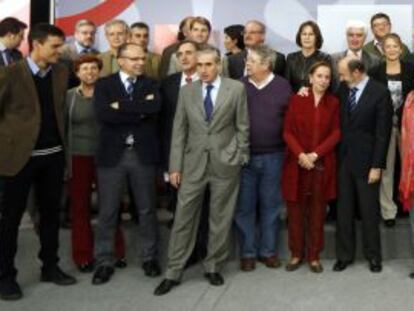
column 188, row 80
column 130, row 86
column 84, row 51
column 379, row 47
column 352, row 99
column 208, row 103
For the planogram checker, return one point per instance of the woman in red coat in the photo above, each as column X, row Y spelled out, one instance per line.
column 311, row 132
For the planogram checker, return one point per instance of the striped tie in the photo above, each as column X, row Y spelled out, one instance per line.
column 130, row 87
column 352, row 99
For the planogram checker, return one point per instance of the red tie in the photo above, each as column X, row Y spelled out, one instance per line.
column 188, row 80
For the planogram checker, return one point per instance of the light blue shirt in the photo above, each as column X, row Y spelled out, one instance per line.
column 36, row 71
column 361, row 86
column 214, row 91
column 80, row 48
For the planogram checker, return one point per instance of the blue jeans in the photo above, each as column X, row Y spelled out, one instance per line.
column 260, row 187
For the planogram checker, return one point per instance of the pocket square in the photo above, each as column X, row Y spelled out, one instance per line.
column 114, row 105
column 149, row 97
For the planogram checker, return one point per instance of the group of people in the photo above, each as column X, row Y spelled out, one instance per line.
column 237, row 138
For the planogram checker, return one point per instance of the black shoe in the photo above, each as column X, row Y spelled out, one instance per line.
column 165, row 286
column 55, row 275
column 102, row 275
column 341, row 265
column 121, row 263
column 214, row 278
column 375, row 265
column 87, row 267
column 10, row 289
column 389, row 223
column 151, row 268
column 411, row 275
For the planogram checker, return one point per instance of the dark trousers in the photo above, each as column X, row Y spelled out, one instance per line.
column 46, row 175
column 354, row 191
column 80, row 191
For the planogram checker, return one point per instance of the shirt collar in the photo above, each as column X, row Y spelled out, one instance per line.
column 124, row 77
column 194, row 77
column 216, row 83
column 2, row 47
column 34, row 68
column 264, row 83
column 361, row 85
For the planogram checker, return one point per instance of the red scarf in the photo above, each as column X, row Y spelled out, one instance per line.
column 407, row 154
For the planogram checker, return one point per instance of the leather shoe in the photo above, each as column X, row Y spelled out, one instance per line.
column 292, row 266
column 121, row 263
column 341, row 265
column 247, row 264
column 214, row 278
column 151, row 268
column 375, row 265
column 87, row 267
column 270, row 262
column 389, row 223
column 411, row 275
column 10, row 289
column 102, row 275
column 165, row 286
column 55, row 275
column 316, row 267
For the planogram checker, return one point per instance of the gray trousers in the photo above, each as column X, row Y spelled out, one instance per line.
column 223, row 197
column 110, row 185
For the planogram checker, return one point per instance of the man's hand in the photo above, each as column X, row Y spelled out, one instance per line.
column 303, row 91
column 305, row 162
column 374, row 175
column 175, row 179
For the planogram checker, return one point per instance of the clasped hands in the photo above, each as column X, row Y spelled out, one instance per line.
column 307, row 160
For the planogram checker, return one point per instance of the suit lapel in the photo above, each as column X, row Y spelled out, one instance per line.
column 222, row 95
column 362, row 100
column 30, row 85
column 198, row 97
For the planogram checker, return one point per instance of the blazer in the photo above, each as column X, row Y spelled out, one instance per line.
column 372, row 49
column 237, row 62
column 152, row 65
column 170, row 88
column 220, row 146
column 366, row 131
column 379, row 73
column 20, row 115
column 138, row 117
column 15, row 54
column 108, row 66
column 166, row 58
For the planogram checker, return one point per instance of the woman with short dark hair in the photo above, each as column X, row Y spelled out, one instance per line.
column 233, row 39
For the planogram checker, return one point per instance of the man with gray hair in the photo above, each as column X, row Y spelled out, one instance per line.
column 209, row 146
column 84, row 40
column 117, row 34
column 356, row 34
column 254, row 35
column 260, row 179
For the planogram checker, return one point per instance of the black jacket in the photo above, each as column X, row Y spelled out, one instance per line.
column 14, row 54
column 138, row 117
column 366, row 131
column 237, row 62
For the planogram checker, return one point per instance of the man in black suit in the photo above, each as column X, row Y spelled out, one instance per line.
column 127, row 105
column 254, row 34
column 11, row 36
column 366, row 113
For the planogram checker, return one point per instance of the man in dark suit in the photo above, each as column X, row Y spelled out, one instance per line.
column 31, row 144
column 11, row 36
column 366, row 120
column 254, row 34
column 127, row 105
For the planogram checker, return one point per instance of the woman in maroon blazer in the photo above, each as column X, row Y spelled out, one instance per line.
column 311, row 132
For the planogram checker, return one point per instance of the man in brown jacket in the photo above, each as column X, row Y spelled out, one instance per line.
column 31, row 144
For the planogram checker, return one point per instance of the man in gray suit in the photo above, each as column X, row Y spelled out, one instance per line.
column 209, row 146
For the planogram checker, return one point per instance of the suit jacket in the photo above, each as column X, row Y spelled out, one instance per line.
column 369, row 60
column 20, row 115
column 366, row 131
column 15, row 54
column 152, row 65
column 166, row 58
column 109, row 66
column 372, row 49
column 237, row 62
column 138, row 117
column 170, row 88
column 379, row 73
column 220, row 146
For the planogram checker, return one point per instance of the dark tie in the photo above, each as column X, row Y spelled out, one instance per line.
column 208, row 103
column 352, row 99
column 130, row 86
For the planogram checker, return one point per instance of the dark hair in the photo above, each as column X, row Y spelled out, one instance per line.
column 140, row 25
column 201, row 20
column 125, row 46
column 235, row 32
column 318, row 64
column 87, row 58
column 316, row 31
column 195, row 44
column 356, row 64
column 380, row 15
column 180, row 35
column 11, row 25
column 41, row 31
